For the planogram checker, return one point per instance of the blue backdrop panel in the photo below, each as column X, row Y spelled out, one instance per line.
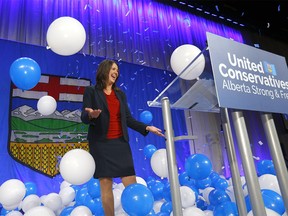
column 140, row 84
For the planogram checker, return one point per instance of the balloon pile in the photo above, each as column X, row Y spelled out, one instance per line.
column 203, row 191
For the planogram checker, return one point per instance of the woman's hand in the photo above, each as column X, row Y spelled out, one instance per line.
column 155, row 130
column 93, row 113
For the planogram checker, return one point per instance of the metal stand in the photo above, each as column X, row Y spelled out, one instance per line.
column 253, row 186
column 236, row 180
column 171, row 159
column 277, row 156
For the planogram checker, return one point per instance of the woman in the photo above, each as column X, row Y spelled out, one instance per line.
column 106, row 111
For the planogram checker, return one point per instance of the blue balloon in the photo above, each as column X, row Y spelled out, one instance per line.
column 67, row 211
column 157, row 190
column 203, row 183
column 273, row 201
column 93, row 187
column 221, row 184
column 198, row 166
column 31, row 188
column 265, row 167
column 146, row 117
column 95, row 205
column 226, row 208
column 81, row 196
column 185, row 180
column 137, row 200
column 25, row 73
column 149, row 150
column 201, row 204
column 216, row 197
column 167, row 207
column 167, row 192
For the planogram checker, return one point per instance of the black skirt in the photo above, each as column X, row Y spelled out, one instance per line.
column 113, row 158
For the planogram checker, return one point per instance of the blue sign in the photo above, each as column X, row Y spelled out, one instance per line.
column 248, row 78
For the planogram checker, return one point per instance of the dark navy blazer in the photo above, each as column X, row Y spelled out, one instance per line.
column 98, row 127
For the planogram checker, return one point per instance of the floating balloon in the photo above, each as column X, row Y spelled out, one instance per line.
column 25, row 73
column 46, row 105
column 77, row 166
column 146, row 117
column 149, row 150
column 159, row 163
column 182, row 56
column 66, row 36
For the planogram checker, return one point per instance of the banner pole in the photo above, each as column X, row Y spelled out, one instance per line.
column 277, row 155
column 171, row 159
column 236, row 180
column 252, row 182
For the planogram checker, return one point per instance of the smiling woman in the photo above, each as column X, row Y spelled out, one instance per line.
column 106, row 111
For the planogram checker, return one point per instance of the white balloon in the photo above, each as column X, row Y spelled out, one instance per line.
column 188, row 197
column 14, row 213
column 53, row 201
column 30, row 202
column 208, row 213
column 269, row 212
column 193, row 211
column 141, row 181
column 77, row 166
column 46, row 105
column 119, row 186
column 182, row 56
column 230, row 191
column 81, row 210
column 64, row 184
column 157, row 205
column 67, row 195
column 269, row 181
column 159, row 163
column 206, row 192
column 66, row 36
column 11, row 207
column 117, row 198
column 12, row 192
column 40, row 211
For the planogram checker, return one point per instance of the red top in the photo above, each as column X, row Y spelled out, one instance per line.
column 115, row 129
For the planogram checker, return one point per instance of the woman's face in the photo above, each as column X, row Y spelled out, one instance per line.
column 113, row 74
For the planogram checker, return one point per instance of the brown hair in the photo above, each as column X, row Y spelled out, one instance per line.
column 103, row 73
